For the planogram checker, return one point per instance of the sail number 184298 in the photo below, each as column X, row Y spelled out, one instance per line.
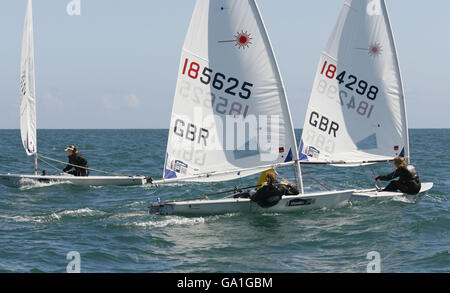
column 350, row 81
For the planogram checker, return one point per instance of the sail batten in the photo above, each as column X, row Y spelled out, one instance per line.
column 230, row 110
column 356, row 111
column 27, row 90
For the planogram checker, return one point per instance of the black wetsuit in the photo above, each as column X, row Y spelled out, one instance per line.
column 269, row 195
column 79, row 160
column 409, row 181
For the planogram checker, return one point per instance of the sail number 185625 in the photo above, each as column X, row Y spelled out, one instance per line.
column 362, row 88
column 217, row 80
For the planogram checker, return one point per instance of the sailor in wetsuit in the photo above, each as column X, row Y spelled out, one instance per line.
column 75, row 158
column 408, row 182
column 270, row 192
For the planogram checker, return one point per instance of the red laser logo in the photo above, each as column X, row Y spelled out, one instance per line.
column 242, row 40
column 375, row 49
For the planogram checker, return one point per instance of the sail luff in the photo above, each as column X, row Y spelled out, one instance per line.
column 403, row 100
column 28, row 93
column 176, row 89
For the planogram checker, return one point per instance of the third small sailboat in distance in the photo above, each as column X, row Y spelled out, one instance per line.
column 28, row 128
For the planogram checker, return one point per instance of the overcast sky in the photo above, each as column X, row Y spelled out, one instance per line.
column 115, row 65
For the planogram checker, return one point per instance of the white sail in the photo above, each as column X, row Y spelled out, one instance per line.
column 27, row 87
column 356, row 112
column 230, row 110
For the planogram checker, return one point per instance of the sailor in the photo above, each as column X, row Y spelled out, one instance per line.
column 271, row 191
column 76, row 159
column 408, row 182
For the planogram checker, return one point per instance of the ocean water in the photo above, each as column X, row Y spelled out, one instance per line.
column 111, row 229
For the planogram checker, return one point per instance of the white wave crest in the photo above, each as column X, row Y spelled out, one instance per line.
column 168, row 221
column 177, row 221
column 405, row 199
column 80, row 212
column 129, row 215
column 54, row 216
column 26, row 184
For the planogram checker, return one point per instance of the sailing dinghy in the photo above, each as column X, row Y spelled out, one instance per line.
column 230, row 117
column 357, row 112
column 28, row 127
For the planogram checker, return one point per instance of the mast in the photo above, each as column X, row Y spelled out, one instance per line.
column 291, row 124
column 405, row 118
column 35, row 164
column 299, row 176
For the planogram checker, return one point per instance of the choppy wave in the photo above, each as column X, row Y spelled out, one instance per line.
column 164, row 221
column 128, row 215
column 405, row 199
column 56, row 216
column 27, row 184
column 169, row 221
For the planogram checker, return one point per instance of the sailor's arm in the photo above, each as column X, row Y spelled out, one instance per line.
column 67, row 168
column 390, row 176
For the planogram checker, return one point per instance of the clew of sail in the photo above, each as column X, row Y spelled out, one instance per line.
column 27, row 87
column 230, row 114
column 357, row 112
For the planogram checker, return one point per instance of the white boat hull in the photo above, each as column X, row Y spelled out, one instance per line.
column 293, row 203
column 19, row 180
column 373, row 194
